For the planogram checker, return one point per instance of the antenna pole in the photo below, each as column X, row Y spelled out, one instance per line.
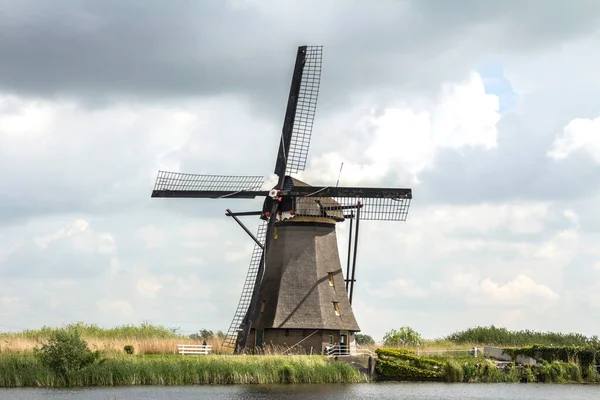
column 355, row 248
column 349, row 250
column 340, row 173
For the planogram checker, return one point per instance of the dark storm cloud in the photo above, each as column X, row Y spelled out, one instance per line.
column 97, row 50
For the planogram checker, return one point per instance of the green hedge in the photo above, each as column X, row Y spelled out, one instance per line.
column 395, row 364
column 405, row 365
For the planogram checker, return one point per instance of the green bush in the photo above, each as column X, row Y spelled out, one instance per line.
column 405, row 336
column 398, row 370
column 591, row 375
column 409, row 355
column 453, row 372
column 128, row 349
column 404, row 364
column 363, row 340
column 526, row 375
column 469, row 372
column 66, row 352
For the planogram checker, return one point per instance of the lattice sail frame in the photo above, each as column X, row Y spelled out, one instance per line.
column 305, row 110
column 176, row 181
column 246, row 296
column 374, row 209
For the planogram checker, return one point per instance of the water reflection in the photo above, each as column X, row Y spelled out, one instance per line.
column 374, row 391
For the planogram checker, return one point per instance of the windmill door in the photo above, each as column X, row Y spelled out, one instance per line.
column 343, row 342
column 259, row 337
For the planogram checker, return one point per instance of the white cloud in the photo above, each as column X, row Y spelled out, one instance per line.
column 151, row 236
column 8, row 300
column 149, row 286
column 78, row 226
column 579, row 134
column 79, row 235
column 116, row 308
column 517, row 291
column 397, row 289
column 407, row 137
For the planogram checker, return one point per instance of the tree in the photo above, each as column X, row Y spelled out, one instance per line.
column 66, row 351
column 363, row 340
column 405, row 336
column 203, row 334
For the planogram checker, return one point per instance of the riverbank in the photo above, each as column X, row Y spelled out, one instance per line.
column 25, row 370
column 405, row 365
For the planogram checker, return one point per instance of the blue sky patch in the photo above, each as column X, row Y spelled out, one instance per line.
column 495, row 82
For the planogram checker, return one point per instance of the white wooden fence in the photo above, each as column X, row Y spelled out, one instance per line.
column 352, row 350
column 198, row 349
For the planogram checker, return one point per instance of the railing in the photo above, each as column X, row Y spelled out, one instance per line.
column 198, row 349
column 346, row 351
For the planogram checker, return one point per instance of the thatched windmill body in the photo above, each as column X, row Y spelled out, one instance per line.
column 295, row 293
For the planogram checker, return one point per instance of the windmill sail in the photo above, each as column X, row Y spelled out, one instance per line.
column 245, row 298
column 305, row 110
column 175, row 184
column 300, row 112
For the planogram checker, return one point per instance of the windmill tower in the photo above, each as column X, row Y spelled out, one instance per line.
column 295, row 293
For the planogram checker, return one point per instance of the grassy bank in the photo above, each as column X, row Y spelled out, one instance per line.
column 405, row 365
column 23, row 369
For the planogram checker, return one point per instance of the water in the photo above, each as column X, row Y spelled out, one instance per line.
column 375, row 391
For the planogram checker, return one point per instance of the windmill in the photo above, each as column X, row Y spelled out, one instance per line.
column 294, row 292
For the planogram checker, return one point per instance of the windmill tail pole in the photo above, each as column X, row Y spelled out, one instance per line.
column 349, row 255
column 355, row 248
column 339, row 174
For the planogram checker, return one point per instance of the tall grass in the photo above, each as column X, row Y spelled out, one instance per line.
column 145, row 338
column 492, row 335
column 143, row 331
column 24, row 370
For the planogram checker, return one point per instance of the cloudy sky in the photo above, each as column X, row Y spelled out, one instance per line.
column 489, row 111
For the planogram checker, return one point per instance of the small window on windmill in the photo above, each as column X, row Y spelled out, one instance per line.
column 331, row 279
column 262, row 305
column 336, row 307
column 330, row 339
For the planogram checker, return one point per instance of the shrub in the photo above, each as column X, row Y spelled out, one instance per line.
column 363, row 340
column 453, row 372
column 66, row 351
column 591, row 375
column 405, row 336
column 203, row 334
column 128, row 349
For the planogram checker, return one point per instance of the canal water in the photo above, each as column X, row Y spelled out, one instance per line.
column 374, row 391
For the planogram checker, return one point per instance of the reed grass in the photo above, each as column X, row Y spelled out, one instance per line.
column 22, row 369
column 145, row 338
column 143, row 331
column 498, row 336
